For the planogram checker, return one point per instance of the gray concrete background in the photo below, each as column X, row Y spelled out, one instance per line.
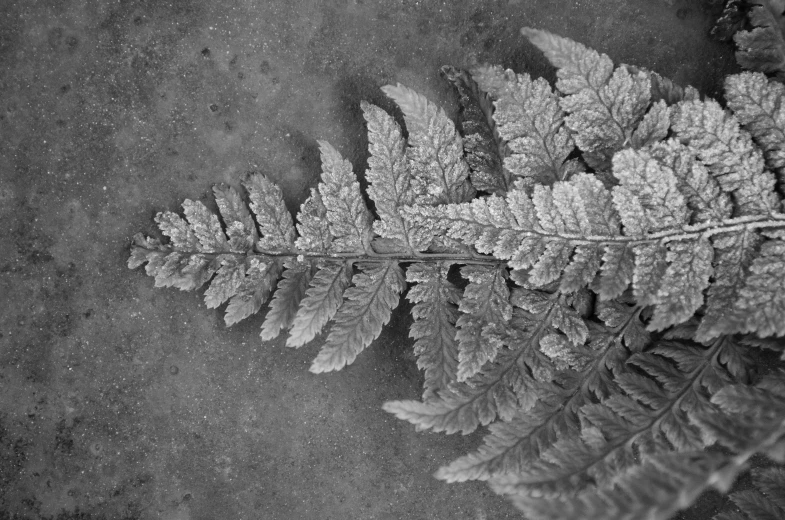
column 119, row 400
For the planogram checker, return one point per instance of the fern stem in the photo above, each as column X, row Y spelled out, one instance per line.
column 368, row 256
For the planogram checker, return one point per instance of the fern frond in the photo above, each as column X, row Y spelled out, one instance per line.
column 360, row 318
column 485, row 303
column 435, row 312
column 604, row 105
column 576, row 228
column 482, row 145
column 435, row 150
column 350, row 221
column 729, row 154
column 530, row 120
column 514, row 445
column 390, row 179
column 286, row 301
column 519, row 376
column 757, row 103
column 321, row 302
column 266, row 201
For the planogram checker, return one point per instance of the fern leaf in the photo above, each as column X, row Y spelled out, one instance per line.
column 514, row 381
column 390, row 179
column 360, row 318
column 240, row 227
column 286, row 301
column 517, row 444
column 435, row 149
column 314, row 228
column 763, row 48
column 321, row 302
column 485, row 301
column 654, row 490
column 274, row 220
column 701, row 191
column 227, row 281
column 757, row 103
column 435, row 312
column 681, row 290
column 603, row 105
column 655, row 186
column 482, row 145
column 253, row 290
column 761, row 302
column 734, row 253
column 653, row 127
column 728, row 153
column 530, row 119
column 349, row 219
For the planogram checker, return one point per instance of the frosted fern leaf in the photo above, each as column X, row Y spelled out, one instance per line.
column 594, row 271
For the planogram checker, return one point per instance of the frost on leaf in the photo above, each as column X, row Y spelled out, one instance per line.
column 252, row 290
column 482, row 144
column 240, row 227
column 274, row 220
column 604, row 105
column 391, row 183
column 366, row 309
column 435, row 150
column 314, row 228
column 757, row 103
column 530, row 119
column 349, row 219
column 435, row 312
column 654, row 185
column 729, row 154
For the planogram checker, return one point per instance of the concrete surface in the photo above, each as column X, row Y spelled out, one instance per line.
column 122, row 401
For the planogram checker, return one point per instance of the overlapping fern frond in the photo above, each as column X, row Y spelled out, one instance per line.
column 594, row 270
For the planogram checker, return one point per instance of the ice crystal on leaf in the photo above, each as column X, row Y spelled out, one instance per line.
column 595, row 271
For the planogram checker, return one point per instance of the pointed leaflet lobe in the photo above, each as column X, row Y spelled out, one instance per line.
column 758, row 104
column 702, row 192
column 390, row 180
column 435, row 149
column 530, row 119
column 761, row 300
column 604, row 105
column 274, row 220
column 360, row 319
column 314, row 228
column 253, row 289
column 654, row 185
column 349, row 219
column 734, row 252
column 321, row 301
column 240, row 226
column 485, row 301
column 286, row 301
column 728, row 152
column 435, row 311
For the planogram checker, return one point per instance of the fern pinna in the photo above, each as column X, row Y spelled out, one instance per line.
column 622, row 248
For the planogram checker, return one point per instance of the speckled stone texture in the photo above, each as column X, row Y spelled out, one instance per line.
column 122, row 401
